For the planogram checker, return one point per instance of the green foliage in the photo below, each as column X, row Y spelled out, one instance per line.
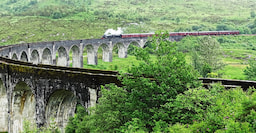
column 223, row 27
column 221, row 110
column 135, row 106
column 75, row 124
column 192, row 105
column 206, row 57
column 253, row 14
column 171, row 75
column 250, row 70
column 29, row 127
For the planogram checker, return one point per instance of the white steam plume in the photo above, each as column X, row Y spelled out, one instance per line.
column 114, row 32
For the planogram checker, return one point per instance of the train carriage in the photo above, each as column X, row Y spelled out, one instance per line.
column 197, row 33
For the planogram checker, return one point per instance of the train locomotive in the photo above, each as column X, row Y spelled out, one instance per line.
column 197, row 33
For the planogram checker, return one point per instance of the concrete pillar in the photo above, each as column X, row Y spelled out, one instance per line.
column 93, row 97
column 91, row 55
column 40, row 103
column 29, row 54
column 3, row 108
column 106, row 53
column 122, row 51
column 107, row 56
column 81, row 60
column 53, row 54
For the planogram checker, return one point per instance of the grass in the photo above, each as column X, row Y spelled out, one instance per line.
column 120, row 64
column 233, row 71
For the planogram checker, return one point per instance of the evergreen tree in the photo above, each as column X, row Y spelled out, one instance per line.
column 206, row 56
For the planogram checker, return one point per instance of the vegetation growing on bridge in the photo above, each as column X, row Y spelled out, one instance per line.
column 163, row 95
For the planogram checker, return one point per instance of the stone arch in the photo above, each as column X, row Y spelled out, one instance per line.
column 60, row 107
column 122, row 50
column 74, row 52
column 3, row 108
column 34, row 57
column 131, row 47
column 62, row 57
column 47, row 56
column 105, row 53
column 91, row 55
column 24, row 56
column 23, row 106
column 14, row 57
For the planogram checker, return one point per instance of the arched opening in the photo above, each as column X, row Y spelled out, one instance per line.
column 132, row 47
column 122, row 51
column 34, row 57
column 47, row 56
column 62, row 57
column 24, row 57
column 60, row 107
column 14, row 57
column 148, row 44
column 74, row 57
column 22, row 106
column 3, row 108
column 104, row 53
column 89, row 55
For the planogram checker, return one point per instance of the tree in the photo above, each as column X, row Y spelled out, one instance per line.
column 206, row 56
column 149, row 85
column 253, row 14
column 250, row 70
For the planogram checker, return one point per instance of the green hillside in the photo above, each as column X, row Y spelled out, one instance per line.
column 24, row 20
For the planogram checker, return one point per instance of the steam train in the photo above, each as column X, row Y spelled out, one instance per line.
column 197, row 33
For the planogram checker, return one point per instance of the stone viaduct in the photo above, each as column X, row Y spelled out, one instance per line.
column 37, row 84
column 43, row 82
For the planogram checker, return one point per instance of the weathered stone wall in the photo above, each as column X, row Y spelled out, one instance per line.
column 3, row 108
column 42, row 94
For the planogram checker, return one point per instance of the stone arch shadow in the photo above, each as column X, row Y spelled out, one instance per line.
column 60, row 106
column 106, row 54
column 14, row 56
column 121, row 49
column 74, row 57
column 47, row 56
column 62, row 57
column 24, row 56
column 35, row 58
column 23, row 106
column 132, row 46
